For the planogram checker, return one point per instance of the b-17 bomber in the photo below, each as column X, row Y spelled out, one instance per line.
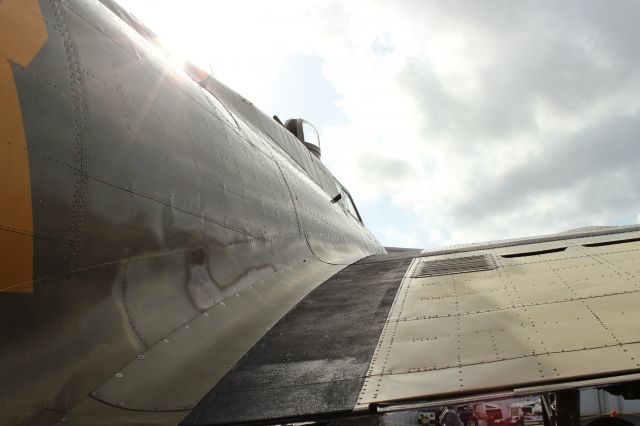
column 170, row 254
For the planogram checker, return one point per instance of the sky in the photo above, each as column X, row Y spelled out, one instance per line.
column 449, row 121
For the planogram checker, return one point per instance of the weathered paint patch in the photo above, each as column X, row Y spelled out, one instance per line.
column 22, row 34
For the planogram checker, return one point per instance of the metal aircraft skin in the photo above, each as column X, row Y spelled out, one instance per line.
column 170, row 254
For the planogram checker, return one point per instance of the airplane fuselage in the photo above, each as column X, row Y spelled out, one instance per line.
column 153, row 200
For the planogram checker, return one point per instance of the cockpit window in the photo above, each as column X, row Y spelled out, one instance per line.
column 350, row 206
column 310, row 133
column 347, row 202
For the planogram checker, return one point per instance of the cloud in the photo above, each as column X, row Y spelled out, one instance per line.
column 592, row 167
column 400, row 237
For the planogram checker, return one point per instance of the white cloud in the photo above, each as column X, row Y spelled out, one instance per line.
column 481, row 120
column 399, row 237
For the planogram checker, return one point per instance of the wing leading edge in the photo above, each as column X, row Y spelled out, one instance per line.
column 424, row 326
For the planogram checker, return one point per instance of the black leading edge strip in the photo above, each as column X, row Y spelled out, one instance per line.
column 313, row 362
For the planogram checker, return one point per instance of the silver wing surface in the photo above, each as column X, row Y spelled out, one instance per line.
column 418, row 328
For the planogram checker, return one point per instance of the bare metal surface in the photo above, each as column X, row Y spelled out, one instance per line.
column 591, row 231
column 533, row 320
column 94, row 412
column 581, row 384
column 210, row 344
column 515, row 393
column 312, row 362
column 507, row 246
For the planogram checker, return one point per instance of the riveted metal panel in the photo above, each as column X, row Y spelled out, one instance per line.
column 93, row 412
column 104, row 21
column 556, row 316
column 46, row 99
column 86, row 335
column 488, row 376
column 326, row 180
column 314, row 350
column 207, row 347
column 537, row 247
column 330, row 231
column 158, row 281
column 45, row 87
column 609, row 237
column 593, row 232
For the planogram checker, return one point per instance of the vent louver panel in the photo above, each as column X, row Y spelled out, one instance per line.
column 458, row 265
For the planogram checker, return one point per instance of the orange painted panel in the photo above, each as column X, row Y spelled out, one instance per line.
column 22, row 34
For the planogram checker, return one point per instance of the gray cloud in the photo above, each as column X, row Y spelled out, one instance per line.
column 376, row 168
column 596, row 170
column 569, row 56
column 576, row 59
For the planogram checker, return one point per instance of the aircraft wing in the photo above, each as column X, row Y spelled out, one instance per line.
column 391, row 331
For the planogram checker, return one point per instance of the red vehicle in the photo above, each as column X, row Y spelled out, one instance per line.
column 471, row 414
